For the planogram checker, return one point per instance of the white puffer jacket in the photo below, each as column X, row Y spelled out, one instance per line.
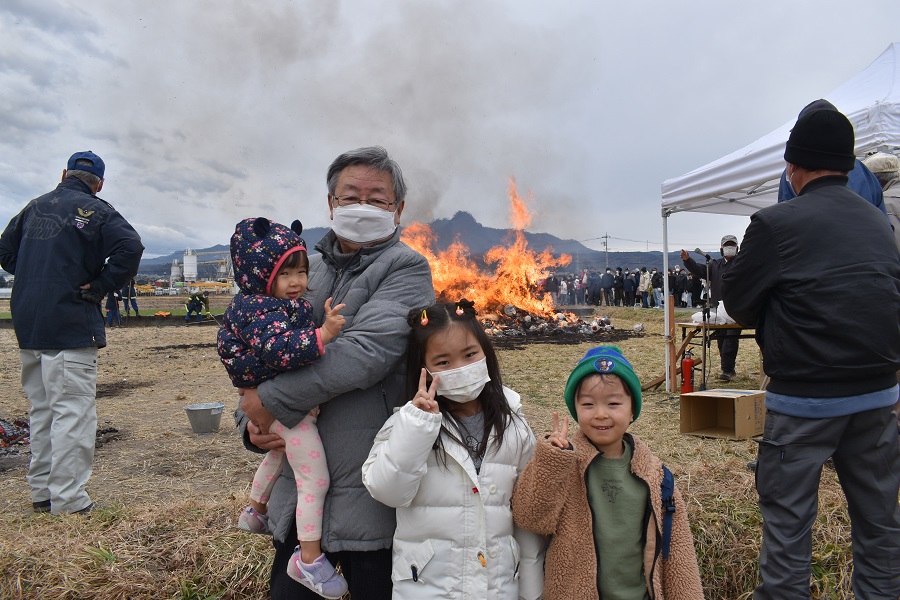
column 455, row 535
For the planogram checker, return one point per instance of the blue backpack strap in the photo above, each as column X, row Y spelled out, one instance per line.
column 668, row 506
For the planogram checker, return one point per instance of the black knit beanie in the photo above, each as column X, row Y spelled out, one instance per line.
column 823, row 139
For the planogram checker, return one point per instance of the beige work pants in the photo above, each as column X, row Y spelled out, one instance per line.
column 61, row 386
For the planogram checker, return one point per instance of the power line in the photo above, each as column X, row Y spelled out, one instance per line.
column 673, row 246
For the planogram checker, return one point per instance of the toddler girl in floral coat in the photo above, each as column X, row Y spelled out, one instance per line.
column 268, row 329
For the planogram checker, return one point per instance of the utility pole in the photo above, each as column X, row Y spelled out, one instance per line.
column 605, row 239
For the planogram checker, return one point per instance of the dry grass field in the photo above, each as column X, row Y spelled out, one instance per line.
column 170, row 498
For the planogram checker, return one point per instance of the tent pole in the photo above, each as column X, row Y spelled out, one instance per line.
column 668, row 306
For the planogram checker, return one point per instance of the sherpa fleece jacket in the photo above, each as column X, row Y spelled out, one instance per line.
column 551, row 498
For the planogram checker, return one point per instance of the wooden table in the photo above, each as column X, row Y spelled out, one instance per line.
column 689, row 330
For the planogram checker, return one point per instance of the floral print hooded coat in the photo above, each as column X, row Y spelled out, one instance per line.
column 261, row 335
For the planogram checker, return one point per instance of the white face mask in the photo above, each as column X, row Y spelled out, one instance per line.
column 362, row 224
column 463, row 384
column 729, row 251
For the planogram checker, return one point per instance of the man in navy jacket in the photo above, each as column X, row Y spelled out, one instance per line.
column 67, row 249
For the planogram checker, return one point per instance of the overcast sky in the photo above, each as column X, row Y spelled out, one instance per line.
column 207, row 112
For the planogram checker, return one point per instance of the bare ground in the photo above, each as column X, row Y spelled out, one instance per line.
column 173, row 495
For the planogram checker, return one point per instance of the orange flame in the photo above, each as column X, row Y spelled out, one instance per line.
column 516, row 268
column 519, row 217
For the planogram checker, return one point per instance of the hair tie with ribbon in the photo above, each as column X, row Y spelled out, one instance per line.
column 424, row 320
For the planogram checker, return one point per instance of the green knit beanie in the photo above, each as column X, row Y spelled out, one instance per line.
column 604, row 360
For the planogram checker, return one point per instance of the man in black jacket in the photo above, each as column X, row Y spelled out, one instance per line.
column 804, row 265
column 680, row 287
column 618, row 288
column 726, row 339
column 551, row 286
column 67, row 249
column 606, row 284
column 594, row 291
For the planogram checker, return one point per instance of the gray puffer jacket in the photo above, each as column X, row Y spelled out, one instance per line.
column 357, row 384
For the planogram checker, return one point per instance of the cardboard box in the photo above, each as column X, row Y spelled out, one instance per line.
column 731, row 414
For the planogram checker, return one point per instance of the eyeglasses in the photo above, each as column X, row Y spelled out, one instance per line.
column 351, row 200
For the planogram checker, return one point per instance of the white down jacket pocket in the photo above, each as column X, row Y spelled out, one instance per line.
column 410, row 562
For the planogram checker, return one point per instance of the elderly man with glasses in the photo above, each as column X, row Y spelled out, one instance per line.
column 362, row 263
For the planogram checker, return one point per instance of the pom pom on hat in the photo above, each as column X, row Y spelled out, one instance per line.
column 605, row 360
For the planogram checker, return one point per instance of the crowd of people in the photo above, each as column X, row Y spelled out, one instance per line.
column 640, row 287
column 395, row 451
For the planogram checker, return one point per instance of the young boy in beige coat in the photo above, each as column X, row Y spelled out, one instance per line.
column 600, row 496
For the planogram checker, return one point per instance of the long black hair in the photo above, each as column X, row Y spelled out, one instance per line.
column 437, row 318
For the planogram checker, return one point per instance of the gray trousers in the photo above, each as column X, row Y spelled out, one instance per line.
column 61, row 386
column 866, row 456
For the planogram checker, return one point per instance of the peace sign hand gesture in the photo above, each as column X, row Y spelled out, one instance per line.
column 560, row 437
column 424, row 399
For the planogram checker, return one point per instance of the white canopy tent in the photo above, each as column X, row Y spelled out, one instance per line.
column 746, row 180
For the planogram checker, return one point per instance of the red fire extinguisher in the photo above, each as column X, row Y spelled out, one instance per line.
column 687, row 373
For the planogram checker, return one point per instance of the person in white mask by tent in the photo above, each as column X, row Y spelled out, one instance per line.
column 727, row 340
column 363, row 264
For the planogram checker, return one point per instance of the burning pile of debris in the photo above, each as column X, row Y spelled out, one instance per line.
column 509, row 302
column 513, row 326
column 514, row 268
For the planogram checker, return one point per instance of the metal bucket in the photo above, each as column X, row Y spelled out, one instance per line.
column 205, row 417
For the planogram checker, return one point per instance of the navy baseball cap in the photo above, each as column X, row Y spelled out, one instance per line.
column 86, row 161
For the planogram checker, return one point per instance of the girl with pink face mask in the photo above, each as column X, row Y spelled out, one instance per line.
column 448, row 460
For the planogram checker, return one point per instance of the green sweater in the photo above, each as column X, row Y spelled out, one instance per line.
column 618, row 501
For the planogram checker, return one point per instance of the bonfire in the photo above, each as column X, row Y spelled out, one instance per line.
column 507, row 295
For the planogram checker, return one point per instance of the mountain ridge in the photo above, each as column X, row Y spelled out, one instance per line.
column 464, row 227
